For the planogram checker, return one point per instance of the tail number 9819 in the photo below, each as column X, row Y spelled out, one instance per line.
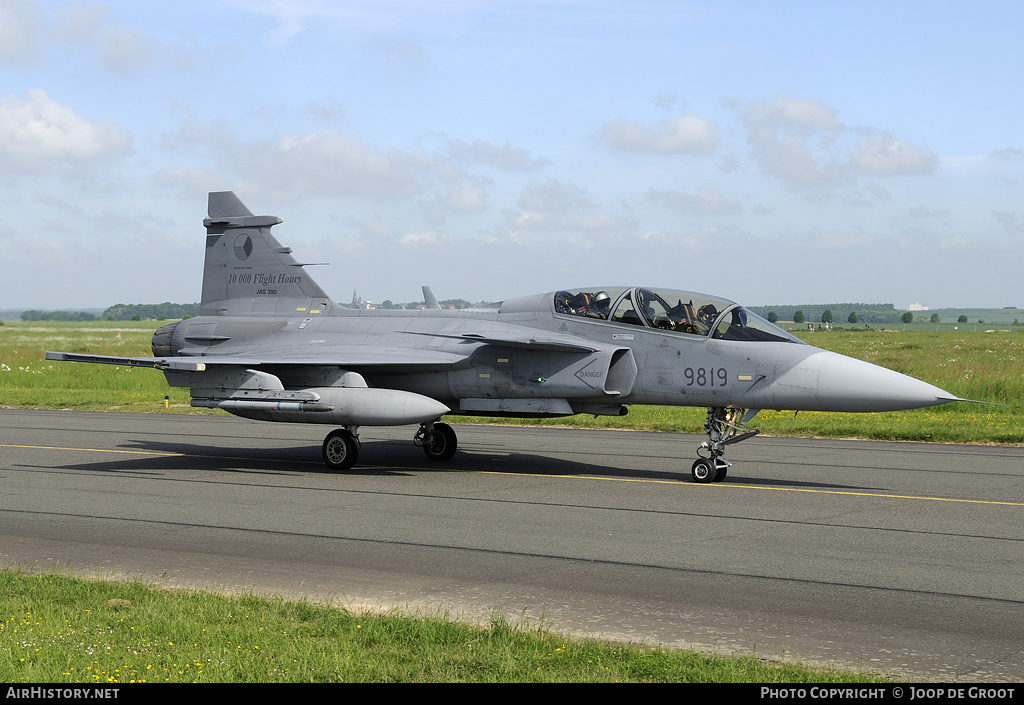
column 706, row 377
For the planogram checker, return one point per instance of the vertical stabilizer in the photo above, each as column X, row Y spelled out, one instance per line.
column 247, row 271
column 225, row 204
column 429, row 300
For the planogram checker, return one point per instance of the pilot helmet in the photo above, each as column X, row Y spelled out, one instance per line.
column 602, row 299
column 707, row 313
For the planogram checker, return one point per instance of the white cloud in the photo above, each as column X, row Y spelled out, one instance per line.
column 688, row 133
column 704, row 201
column 293, row 17
column 870, row 194
column 331, row 162
column 594, row 221
column 798, row 163
column 401, row 52
column 923, row 211
column 687, row 240
column 487, row 154
column 38, row 132
column 785, row 136
column 666, row 100
column 357, row 234
column 334, row 163
column 515, row 223
column 54, row 202
column 189, row 181
column 19, row 31
column 883, row 155
column 957, row 243
column 326, row 162
column 93, row 32
column 114, row 44
column 836, row 241
column 878, row 192
column 290, row 18
column 470, row 197
column 333, row 159
column 327, row 110
column 1010, row 222
column 430, row 238
column 789, row 112
column 1009, row 153
column 803, row 143
column 554, row 197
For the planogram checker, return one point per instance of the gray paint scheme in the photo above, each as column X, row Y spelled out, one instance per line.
column 270, row 344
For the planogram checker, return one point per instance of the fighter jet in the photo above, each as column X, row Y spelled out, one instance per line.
column 269, row 344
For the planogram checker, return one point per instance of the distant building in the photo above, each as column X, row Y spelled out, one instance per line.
column 357, row 302
column 917, row 307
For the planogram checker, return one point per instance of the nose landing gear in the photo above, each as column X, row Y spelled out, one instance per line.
column 437, row 439
column 724, row 426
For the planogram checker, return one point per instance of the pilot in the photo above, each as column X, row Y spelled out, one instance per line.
column 563, row 302
column 707, row 313
column 580, row 303
column 599, row 305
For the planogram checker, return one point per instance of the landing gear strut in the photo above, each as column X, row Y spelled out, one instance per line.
column 341, row 448
column 724, row 426
column 437, row 439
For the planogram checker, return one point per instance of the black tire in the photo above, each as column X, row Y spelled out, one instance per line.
column 704, row 470
column 723, row 470
column 340, row 450
column 441, row 444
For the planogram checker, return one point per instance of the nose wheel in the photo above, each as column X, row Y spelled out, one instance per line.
column 438, row 440
column 724, row 426
column 709, row 470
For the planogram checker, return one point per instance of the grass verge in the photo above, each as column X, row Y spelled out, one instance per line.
column 58, row 628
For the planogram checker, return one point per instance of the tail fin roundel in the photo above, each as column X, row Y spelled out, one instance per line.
column 247, row 271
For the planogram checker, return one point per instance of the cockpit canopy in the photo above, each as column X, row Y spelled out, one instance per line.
column 669, row 310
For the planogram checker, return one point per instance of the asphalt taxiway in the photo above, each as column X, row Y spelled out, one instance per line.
column 897, row 557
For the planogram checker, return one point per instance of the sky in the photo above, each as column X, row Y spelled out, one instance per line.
column 765, row 152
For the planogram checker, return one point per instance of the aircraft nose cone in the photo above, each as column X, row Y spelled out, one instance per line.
column 846, row 384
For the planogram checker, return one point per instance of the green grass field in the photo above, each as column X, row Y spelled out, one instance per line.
column 28, row 381
column 982, row 366
column 57, row 629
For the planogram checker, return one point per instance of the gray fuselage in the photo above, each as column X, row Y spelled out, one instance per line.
column 535, row 361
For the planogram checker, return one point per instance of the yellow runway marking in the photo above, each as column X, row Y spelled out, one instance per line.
column 142, row 452
column 603, row 479
column 768, row 489
column 95, row 450
column 878, row 494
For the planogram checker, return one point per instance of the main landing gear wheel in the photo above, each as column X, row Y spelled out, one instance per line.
column 341, row 448
column 439, row 441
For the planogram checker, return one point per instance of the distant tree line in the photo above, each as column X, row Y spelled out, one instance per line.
column 118, row 312
column 812, row 313
column 445, row 303
column 57, row 316
column 158, row 312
